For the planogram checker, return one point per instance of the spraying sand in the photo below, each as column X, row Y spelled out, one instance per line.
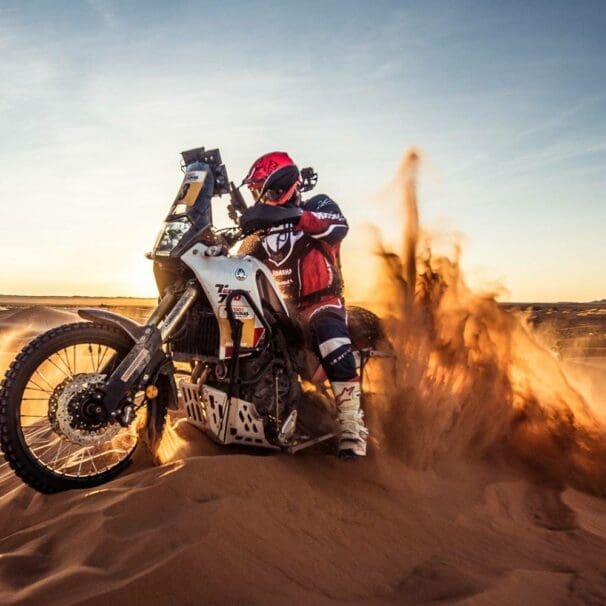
column 477, row 382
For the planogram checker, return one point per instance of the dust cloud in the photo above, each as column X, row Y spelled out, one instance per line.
column 472, row 380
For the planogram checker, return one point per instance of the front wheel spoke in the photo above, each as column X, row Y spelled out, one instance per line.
column 110, row 366
column 68, row 460
column 66, row 361
column 92, row 460
column 61, row 444
column 90, row 351
column 118, row 451
column 87, row 456
column 60, row 464
column 39, row 439
column 100, row 357
column 37, row 432
column 86, row 459
column 38, row 388
column 74, row 359
column 67, row 374
column 43, row 449
column 81, row 461
column 62, row 460
column 50, row 385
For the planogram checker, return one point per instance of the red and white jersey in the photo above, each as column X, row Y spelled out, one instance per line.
column 304, row 259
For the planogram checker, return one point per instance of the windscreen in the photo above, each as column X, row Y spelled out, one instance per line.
column 190, row 212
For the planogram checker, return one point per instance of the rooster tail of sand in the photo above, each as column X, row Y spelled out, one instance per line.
column 471, row 379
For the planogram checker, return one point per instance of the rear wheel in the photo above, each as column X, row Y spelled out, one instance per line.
column 53, row 431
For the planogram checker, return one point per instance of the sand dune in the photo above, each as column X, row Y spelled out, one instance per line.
column 214, row 527
column 35, row 319
column 272, row 530
column 20, row 325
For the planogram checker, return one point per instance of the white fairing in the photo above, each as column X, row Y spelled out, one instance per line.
column 219, row 276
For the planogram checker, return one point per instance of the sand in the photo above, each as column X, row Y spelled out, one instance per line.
column 213, row 526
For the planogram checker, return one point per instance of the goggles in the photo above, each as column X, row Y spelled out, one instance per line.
column 255, row 189
column 269, row 196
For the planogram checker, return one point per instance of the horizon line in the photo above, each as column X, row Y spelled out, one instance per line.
column 12, row 296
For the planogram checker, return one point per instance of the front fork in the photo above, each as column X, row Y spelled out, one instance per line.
column 145, row 357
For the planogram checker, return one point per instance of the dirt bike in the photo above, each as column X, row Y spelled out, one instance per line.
column 79, row 398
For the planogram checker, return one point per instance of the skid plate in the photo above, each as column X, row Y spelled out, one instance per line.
column 226, row 422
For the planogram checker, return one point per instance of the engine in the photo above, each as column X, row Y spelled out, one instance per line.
column 264, row 377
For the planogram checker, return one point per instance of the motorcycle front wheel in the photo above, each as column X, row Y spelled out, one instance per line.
column 53, row 432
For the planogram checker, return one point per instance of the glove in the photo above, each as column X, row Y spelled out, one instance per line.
column 232, row 213
column 262, row 216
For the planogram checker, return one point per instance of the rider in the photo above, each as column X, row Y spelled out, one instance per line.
column 302, row 251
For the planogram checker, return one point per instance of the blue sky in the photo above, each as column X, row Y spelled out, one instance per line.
column 507, row 101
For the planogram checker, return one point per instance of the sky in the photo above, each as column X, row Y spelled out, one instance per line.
column 505, row 100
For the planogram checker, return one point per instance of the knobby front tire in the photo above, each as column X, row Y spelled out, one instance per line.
column 46, row 437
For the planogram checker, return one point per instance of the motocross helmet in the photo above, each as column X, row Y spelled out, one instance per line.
column 273, row 179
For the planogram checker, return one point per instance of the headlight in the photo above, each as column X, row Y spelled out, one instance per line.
column 170, row 235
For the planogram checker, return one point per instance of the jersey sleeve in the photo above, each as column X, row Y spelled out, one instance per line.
column 322, row 219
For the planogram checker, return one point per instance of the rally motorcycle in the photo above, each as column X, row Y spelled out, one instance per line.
column 79, row 398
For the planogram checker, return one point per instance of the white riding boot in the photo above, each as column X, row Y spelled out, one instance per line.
column 352, row 440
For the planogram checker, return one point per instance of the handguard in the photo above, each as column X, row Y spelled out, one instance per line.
column 262, row 217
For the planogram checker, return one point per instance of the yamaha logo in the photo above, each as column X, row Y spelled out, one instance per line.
column 240, row 274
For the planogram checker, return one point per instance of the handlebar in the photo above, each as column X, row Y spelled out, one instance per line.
column 237, row 203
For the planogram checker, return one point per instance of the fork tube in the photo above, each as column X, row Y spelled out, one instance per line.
column 162, row 309
column 177, row 313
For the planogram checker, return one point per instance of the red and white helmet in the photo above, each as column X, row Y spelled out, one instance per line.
column 273, row 178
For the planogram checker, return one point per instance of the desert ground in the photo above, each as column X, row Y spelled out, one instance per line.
column 211, row 526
